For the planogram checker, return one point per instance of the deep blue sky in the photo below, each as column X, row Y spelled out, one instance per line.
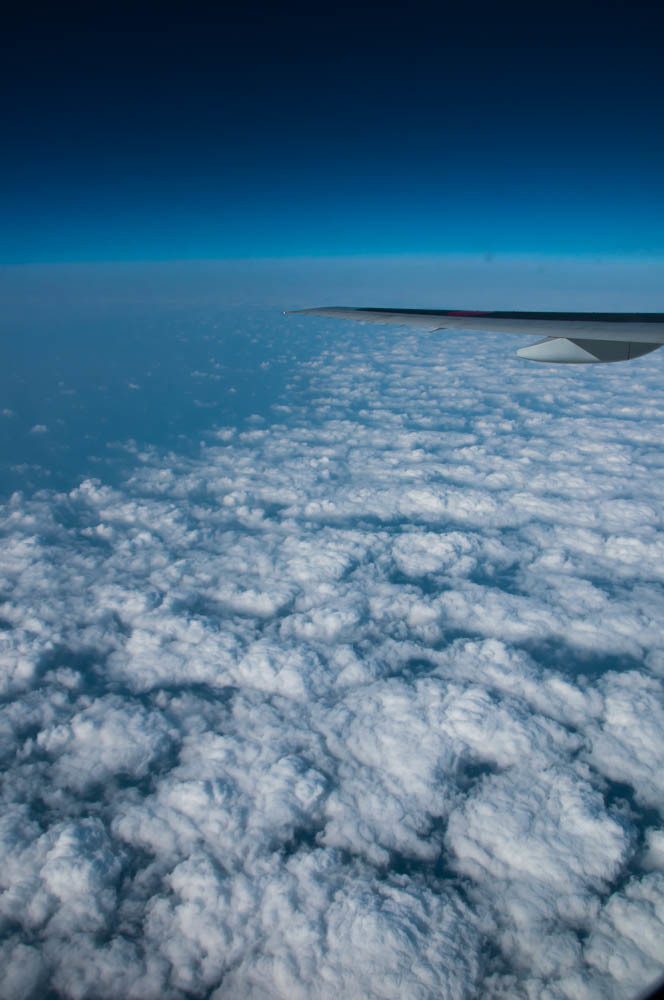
column 259, row 132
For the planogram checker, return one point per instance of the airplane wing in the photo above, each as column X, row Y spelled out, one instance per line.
column 567, row 337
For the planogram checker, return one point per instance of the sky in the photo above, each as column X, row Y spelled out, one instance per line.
column 256, row 131
column 331, row 655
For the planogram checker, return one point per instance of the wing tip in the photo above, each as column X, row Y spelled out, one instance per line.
column 313, row 309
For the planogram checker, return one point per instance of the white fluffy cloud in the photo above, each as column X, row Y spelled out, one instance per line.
column 367, row 702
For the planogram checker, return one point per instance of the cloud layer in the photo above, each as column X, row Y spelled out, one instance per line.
column 363, row 702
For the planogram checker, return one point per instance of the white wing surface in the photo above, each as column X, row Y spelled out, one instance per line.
column 567, row 337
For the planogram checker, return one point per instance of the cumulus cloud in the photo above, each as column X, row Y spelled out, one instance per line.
column 106, row 738
column 363, row 702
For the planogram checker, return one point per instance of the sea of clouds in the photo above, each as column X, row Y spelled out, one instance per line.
column 365, row 700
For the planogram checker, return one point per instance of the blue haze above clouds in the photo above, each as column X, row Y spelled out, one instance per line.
column 332, row 655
